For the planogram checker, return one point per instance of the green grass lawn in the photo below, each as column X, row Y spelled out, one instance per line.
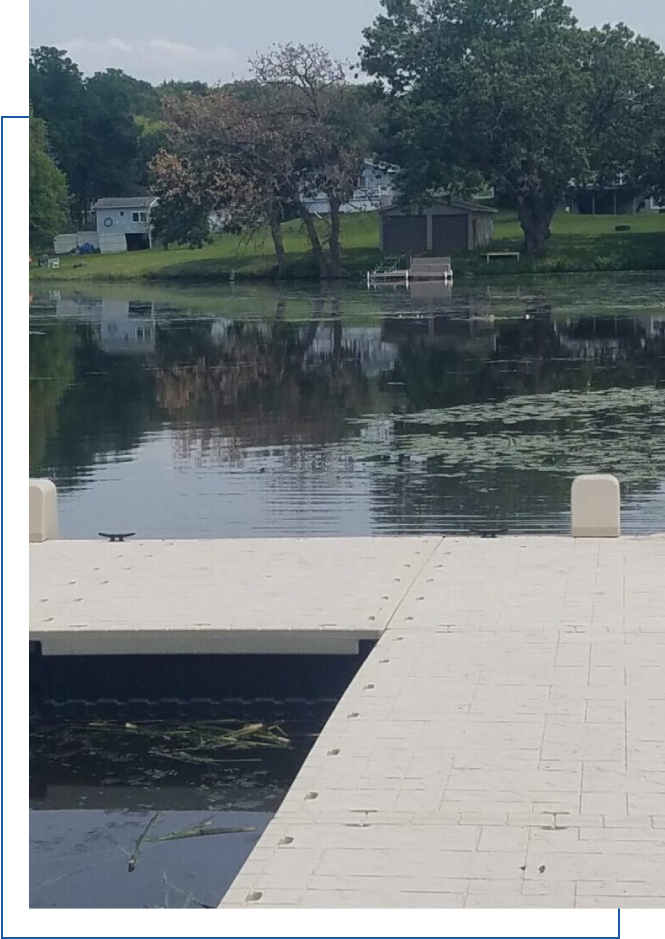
column 578, row 243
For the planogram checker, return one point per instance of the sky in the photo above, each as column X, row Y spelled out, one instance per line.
column 211, row 40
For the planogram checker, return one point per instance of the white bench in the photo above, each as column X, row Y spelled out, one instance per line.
column 431, row 269
column 502, row 255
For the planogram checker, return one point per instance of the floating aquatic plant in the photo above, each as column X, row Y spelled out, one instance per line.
column 201, row 830
column 565, row 432
column 198, row 735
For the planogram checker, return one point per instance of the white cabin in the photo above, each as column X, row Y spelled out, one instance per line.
column 123, row 224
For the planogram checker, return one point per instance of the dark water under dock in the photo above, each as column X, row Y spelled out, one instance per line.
column 153, row 777
column 151, row 814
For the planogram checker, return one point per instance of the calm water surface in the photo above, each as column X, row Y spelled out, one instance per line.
column 257, row 411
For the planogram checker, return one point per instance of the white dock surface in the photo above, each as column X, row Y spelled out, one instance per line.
column 502, row 745
column 271, row 595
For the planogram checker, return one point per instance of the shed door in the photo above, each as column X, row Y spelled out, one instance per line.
column 450, row 233
column 404, row 234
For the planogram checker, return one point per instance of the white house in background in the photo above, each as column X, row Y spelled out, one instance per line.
column 123, row 224
column 375, row 188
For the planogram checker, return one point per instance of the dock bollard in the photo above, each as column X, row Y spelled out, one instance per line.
column 595, row 506
column 43, row 510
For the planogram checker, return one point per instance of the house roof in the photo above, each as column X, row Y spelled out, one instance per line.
column 125, row 202
column 381, row 165
column 621, row 186
column 455, row 203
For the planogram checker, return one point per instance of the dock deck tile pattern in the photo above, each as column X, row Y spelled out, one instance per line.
column 502, row 746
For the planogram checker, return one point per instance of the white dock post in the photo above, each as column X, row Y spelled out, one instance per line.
column 595, row 506
column 43, row 510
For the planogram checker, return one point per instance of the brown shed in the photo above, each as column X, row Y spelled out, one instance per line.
column 443, row 227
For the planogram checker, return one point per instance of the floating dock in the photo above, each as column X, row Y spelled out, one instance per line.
column 429, row 270
column 503, row 744
column 265, row 596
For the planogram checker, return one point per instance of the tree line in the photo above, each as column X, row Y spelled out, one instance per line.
column 460, row 94
column 99, row 132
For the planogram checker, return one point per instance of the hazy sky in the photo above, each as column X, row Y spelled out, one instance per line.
column 212, row 39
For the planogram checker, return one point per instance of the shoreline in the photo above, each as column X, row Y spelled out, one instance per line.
column 499, row 271
column 578, row 245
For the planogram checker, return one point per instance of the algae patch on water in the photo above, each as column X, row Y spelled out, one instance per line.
column 619, row 431
column 189, row 742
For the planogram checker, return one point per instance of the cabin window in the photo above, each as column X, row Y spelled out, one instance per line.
column 122, row 213
column 135, row 216
column 143, row 216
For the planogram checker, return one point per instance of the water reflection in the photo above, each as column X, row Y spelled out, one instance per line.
column 257, row 412
column 79, row 857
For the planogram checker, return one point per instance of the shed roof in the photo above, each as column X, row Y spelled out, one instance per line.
column 125, row 202
column 454, row 203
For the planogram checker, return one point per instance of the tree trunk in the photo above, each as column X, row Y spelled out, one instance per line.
column 335, row 246
column 278, row 241
column 317, row 248
column 535, row 218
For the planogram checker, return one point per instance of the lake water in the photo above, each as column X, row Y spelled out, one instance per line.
column 151, row 814
column 242, row 411
column 253, row 411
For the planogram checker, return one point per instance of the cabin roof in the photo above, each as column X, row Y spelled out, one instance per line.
column 454, row 203
column 125, row 202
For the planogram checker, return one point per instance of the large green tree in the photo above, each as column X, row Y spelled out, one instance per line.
column 626, row 111
column 512, row 92
column 57, row 94
column 114, row 100
column 94, row 134
column 48, row 198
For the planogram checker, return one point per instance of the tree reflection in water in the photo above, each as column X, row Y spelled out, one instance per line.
column 318, row 403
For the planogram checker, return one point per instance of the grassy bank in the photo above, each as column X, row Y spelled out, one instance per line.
column 578, row 243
